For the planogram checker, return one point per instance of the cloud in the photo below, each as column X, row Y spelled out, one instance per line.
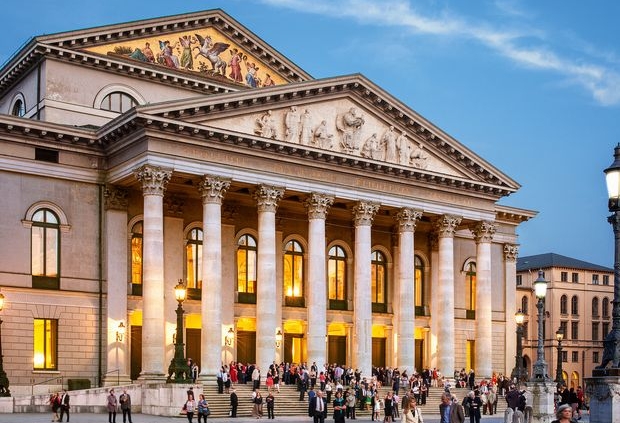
column 527, row 47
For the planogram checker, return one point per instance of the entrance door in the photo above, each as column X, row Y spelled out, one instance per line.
column 136, row 351
column 337, row 349
column 419, row 355
column 192, row 347
column 378, row 352
column 246, row 347
column 294, row 348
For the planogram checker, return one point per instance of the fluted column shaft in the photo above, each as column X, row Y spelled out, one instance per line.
column 267, row 198
column 407, row 219
column 212, row 190
column 318, row 206
column 154, row 180
column 363, row 214
column 483, row 234
column 511, row 253
column 444, row 294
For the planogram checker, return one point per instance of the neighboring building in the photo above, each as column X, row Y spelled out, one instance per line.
column 578, row 302
column 185, row 147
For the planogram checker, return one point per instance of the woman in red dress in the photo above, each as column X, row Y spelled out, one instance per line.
column 233, row 372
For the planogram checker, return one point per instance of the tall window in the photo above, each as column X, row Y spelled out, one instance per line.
column 193, row 262
column 605, row 308
column 574, row 330
column 563, row 304
column 575, row 277
column 45, row 254
column 519, row 280
column 378, row 274
column 575, row 356
column 45, row 344
column 246, row 269
column 594, row 279
column 564, row 328
column 118, row 102
column 136, row 258
column 294, row 274
column 337, row 278
column 419, row 286
column 524, row 305
column 605, row 327
column 563, row 276
column 574, row 305
column 605, row 279
column 595, row 307
column 595, row 331
column 470, row 290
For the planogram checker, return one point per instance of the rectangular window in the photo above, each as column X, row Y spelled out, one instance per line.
column 519, row 280
column 595, row 357
column 605, row 279
column 575, row 277
column 564, row 356
column 595, row 331
column 594, row 279
column 564, row 277
column 45, row 155
column 575, row 356
column 564, row 328
column 574, row 330
column 45, row 344
column 605, row 329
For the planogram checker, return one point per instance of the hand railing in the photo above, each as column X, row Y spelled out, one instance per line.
column 118, row 375
column 58, row 379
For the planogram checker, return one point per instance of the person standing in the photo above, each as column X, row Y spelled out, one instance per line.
column 64, row 405
column 318, row 407
column 450, row 411
column 474, row 403
column 564, row 414
column 234, row 403
column 55, row 404
column 257, row 408
column 339, row 407
column 411, row 413
column 112, row 403
column 125, row 400
column 190, row 407
column 270, row 401
column 203, row 408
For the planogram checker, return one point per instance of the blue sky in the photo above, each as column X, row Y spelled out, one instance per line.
column 532, row 87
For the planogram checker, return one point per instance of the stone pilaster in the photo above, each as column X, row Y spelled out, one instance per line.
column 154, row 180
column 317, row 206
column 267, row 198
column 511, row 252
column 483, row 234
column 363, row 215
column 212, row 190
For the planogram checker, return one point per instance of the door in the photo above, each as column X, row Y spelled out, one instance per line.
column 378, row 352
column 192, row 347
column 246, row 347
column 136, row 351
column 419, row 355
column 294, row 348
column 337, row 349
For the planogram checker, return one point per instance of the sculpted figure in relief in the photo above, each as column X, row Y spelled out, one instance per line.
column 403, row 146
column 266, row 126
column 291, row 125
column 388, row 141
column 372, row 149
column 419, row 158
column 306, row 128
column 350, row 125
column 322, row 138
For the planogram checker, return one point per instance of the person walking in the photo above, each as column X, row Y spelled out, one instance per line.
column 203, row 408
column 112, row 404
column 55, row 404
column 64, row 405
column 125, row 401
column 190, row 407
column 564, row 414
column 411, row 413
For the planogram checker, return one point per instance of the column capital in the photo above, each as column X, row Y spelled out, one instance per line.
column 511, row 252
column 364, row 212
column 154, row 179
column 318, row 205
column 115, row 198
column 407, row 219
column 483, row 231
column 213, row 188
column 267, row 197
column 174, row 205
column 446, row 225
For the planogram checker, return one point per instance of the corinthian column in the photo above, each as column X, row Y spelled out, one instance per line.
column 267, row 198
column 318, row 206
column 212, row 190
column 154, row 180
column 483, row 234
column 407, row 220
column 363, row 215
column 511, row 252
column 444, row 294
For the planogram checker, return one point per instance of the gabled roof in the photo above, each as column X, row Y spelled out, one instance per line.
column 548, row 260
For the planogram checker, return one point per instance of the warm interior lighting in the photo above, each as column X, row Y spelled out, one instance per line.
column 1, row 301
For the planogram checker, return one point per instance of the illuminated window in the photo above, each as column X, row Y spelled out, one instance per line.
column 337, row 277
column 378, row 274
column 294, row 274
column 193, row 259
column 45, row 344
column 470, row 290
column 45, row 253
column 563, row 304
column 419, row 291
column 246, row 268
column 136, row 259
column 118, row 102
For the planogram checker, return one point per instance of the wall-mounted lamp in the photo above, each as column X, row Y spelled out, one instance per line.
column 120, row 332
column 230, row 335
column 278, row 338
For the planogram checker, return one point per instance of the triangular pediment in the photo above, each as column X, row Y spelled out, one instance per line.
column 348, row 116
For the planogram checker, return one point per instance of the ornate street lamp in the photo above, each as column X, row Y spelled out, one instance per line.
column 611, row 354
column 540, row 368
column 178, row 366
column 518, row 372
column 4, row 380
column 559, row 376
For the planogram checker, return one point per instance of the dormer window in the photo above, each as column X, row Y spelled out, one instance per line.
column 19, row 108
column 118, row 102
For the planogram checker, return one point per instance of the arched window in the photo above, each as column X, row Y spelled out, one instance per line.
column 574, row 305
column 136, row 258
column 293, row 274
column 118, row 102
column 378, row 288
column 337, row 278
column 605, row 308
column 470, row 290
column 525, row 305
column 45, row 252
column 193, row 262
column 563, row 304
column 419, row 295
column 595, row 307
column 19, row 108
column 246, row 269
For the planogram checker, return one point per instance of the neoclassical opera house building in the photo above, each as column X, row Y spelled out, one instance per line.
column 310, row 220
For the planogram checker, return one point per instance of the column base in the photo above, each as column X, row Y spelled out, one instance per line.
column 116, row 380
column 604, row 393
column 541, row 394
column 152, row 378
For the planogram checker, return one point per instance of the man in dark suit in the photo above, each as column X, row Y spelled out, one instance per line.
column 234, row 403
column 318, row 408
column 64, row 405
column 450, row 411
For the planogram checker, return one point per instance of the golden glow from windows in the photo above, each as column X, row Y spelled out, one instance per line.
column 470, row 354
column 378, row 331
column 336, row 273
column 45, row 344
column 193, row 255
column 45, row 244
column 378, row 277
column 419, row 282
column 246, row 264
column 470, row 289
column 136, row 253
column 293, row 270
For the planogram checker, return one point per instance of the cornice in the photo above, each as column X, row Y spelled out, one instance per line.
column 46, row 132
column 513, row 215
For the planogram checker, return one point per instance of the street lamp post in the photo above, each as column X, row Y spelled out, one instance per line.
column 4, row 380
column 559, row 376
column 178, row 366
column 540, row 368
column 518, row 372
